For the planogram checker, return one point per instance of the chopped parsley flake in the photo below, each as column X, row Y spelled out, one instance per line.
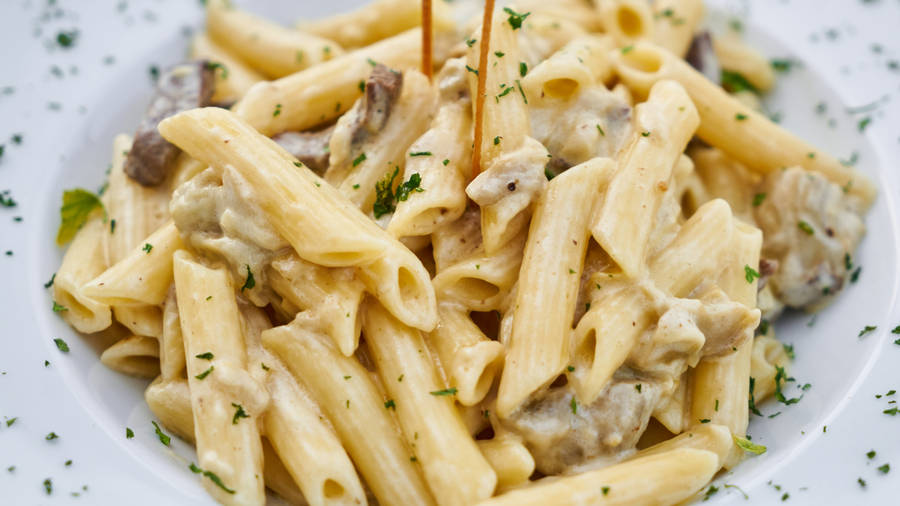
column 386, row 198
column 574, row 405
column 866, row 330
column 734, row 82
column 389, row 404
column 758, row 199
column 740, row 116
column 250, row 282
column 781, row 376
column 48, row 486
column 645, row 134
column 129, row 434
column 600, row 129
column 863, row 123
column 163, row 438
column 77, row 207
column 805, row 227
column 446, row 391
column 870, row 454
column 752, row 401
column 214, row 66
column 147, row 248
column 359, row 159
column 748, row 446
column 499, row 54
column 218, row 481
column 470, row 69
column 884, row 469
column 205, row 356
column 11, row 421
column 711, row 491
column 67, row 39
column 604, row 490
column 627, row 49
column 515, row 19
column 277, row 111
column 58, row 308
column 51, row 436
column 523, row 68
column 205, row 373
column 420, row 153
column 238, row 414
column 445, row 162
column 750, row 274
column 61, row 345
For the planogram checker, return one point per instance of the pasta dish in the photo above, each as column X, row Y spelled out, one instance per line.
column 530, row 257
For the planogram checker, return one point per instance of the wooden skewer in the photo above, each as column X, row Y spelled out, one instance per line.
column 487, row 21
column 427, row 37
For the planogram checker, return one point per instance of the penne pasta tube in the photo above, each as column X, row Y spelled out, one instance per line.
column 233, row 77
column 306, row 444
column 509, row 458
column 663, row 126
column 134, row 355
column 354, row 404
column 170, row 402
column 455, row 470
column 470, row 360
column 84, row 260
column 548, row 283
column 308, row 448
column 441, row 157
column 321, row 93
column 482, row 282
column 143, row 320
column 745, row 135
column 710, row 437
column 375, row 21
column 143, row 276
column 735, row 56
column 312, row 216
column 272, row 49
column 171, row 344
column 278, row 479
column 721, row 385
column 579, row 65
column 675, row 23
column 664, row 478
column 511, row 163
column 333, row 295
column 626, row 21
column 134, row 210
column 228, row 441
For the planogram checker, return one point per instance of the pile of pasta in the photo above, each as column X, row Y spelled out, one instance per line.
column 402, row 330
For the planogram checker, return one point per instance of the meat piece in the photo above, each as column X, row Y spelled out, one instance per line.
column 182, row 87
column 382, row 90
column 560, row 436
column 702, row 57
column 311, row 148
column 811, row 227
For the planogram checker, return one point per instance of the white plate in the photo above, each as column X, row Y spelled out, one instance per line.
column 846, row 48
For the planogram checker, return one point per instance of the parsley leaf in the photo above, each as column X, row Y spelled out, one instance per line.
column 385, row 196
column 734, row 82
column 250, row 282
column 77, row 207
column 446, row 391
column 749, row 446
column 163, row 438
column 515, row 19
column 205, row 373
column 129, row 433
column 781, row 376
column 866, row 330
column 238, row 414
column 61, row 345
column 205, row 356
column 750, row 274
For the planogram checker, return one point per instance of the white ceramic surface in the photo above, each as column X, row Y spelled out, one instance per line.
column 846, row 48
